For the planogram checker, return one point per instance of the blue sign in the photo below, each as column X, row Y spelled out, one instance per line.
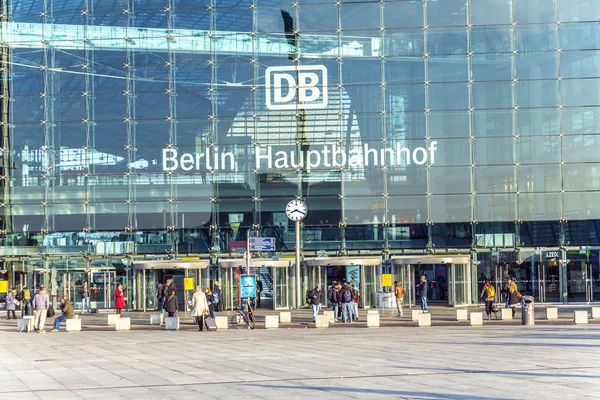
column 248, row 286
column 262, row 244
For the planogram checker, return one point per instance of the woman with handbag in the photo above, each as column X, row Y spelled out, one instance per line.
column 172, row 304
column 10, row 304
column 199, row 307
column 119, row 298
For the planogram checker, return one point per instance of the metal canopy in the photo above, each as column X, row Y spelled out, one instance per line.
column 430, row 259
column 170, row 264
column 255, row 263
column 342, row 261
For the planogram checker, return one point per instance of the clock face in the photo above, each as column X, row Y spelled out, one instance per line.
column 296, row 210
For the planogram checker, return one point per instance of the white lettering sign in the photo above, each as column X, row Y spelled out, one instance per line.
column 303, row 86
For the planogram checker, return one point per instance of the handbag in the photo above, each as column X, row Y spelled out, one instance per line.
column 16, row 302
column 50, row 313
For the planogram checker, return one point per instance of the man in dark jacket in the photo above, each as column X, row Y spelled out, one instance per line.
column 259, row 289
column 172, row 304
column 315, row 300
column 422, row 292
column 217, row 299
column 160, row 297
column 335, row 300
column 347, row 302
column 67, row 313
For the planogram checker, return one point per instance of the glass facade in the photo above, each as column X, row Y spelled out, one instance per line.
column 168, row 128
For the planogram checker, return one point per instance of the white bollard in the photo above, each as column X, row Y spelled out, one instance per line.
column 271, row 322
column 23, row 325
column 595, row 312
column 157, row 319
column 122, row 324
column 476, row 318
column 285, row 317
column 73, row 325
column 31, row 320
column 462, row 315
column 372, row 320
column 330, row 315
column 373, row 311
column 322, row 321
column 581, row 317
column 506, row 314
column 551, row 313
column 222, row 322
column 172, row 323
column 415, row 315
column 112, row 319
column 425, row 319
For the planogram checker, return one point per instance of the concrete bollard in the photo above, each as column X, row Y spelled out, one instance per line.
column 271, row 321
column 595, row 312
column 222, row 322
column 476, row 318
column 112, row 319
column 322, row 321
column 372, row 320
column 330, row 315
column 581, row 317
column 25, row 324
column 425, row 319
column 172, row 323
column 285, row 317
column 123, row 324
column 73, row 325
column 373, row 311
column 157, row 319
column 415, row 315
column 551, row 313
column 462, row 315
column 506, row 314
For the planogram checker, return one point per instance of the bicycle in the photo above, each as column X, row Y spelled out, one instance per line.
column 246, row 314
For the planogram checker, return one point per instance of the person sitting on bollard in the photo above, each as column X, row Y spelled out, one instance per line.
column 171, row 304
column 67, row 313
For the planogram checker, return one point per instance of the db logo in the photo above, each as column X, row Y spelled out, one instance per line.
column 289, row 88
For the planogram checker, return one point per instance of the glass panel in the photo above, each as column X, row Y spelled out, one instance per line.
column 490, row 12
column 534, row 11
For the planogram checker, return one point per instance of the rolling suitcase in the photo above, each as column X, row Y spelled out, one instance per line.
column 211, row 325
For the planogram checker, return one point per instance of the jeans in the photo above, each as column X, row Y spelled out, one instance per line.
column 58, row 321
column 347, row 311
column 26, row 308
column 334, row 308
column 85, row 305
column 400, row 306
column 433, row 294
column 507, row 301
column 39, row 319
column 315, row 309
column 423, row 303
column 162, row 304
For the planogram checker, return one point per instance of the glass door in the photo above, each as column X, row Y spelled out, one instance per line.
column 280, row 288
column 459, row 285
column 367, row 285
column 577, row 279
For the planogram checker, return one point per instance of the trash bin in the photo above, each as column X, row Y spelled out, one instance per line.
column 527, row 316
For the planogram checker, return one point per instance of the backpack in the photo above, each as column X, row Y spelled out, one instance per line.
column 309, row 297
column 347, row 296
column 26, row 294
column 491, row 292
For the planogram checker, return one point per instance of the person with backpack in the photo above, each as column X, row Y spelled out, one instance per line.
column 25, row 297
column 399, row 293
column 347, row 307
column 488, row 295
column 315, row 301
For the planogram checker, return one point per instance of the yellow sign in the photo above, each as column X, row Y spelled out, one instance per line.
column 387, row 280
column 188, row 283
column 3, row 286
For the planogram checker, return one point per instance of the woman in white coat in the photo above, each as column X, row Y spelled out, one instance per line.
column 199, row 307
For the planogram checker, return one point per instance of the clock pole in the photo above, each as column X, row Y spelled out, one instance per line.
column 298, row 291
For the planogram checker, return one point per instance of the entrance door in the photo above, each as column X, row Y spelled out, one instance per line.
column 548, row 281
column 459, row 290
column 405, row 275
column 281, row 288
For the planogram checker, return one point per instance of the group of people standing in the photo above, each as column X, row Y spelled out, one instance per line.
column 343, row 299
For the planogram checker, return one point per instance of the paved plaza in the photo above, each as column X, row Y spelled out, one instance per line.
column 496, row 361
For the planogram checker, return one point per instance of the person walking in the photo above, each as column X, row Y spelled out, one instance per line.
column 218, row 300
column 355, row 300
column 67, row 313
column 210, row 299
column 40, row 305
column 25, row 296
column 160, row 297
column 172, row 304
column 399, row 293
column 422, row 293
column 10, row 304
column 85, row 298
column 488, row 295
column 119, row 298
column 514, row 297
column 199, row 307
column 259, row 289
column 316, row 296
column 347, row 307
